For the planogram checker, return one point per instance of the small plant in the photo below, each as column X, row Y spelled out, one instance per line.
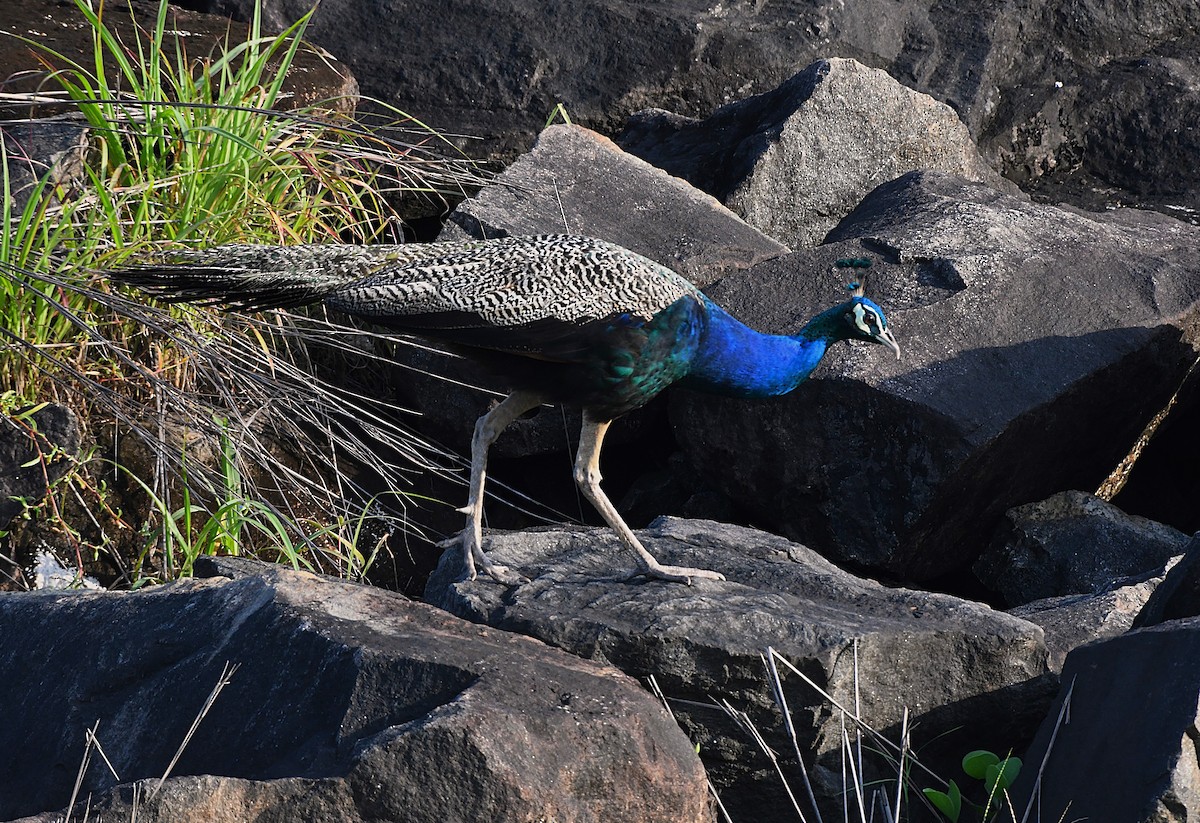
column 997, row 776
column 559, row 111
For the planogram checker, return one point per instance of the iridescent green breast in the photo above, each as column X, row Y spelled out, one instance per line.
column 610, row 366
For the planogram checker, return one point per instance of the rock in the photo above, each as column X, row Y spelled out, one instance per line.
column 956, row 665
column 1178, row 596
column 1037, row 342
column 314, row 76
column 1139, row 129
column 796, row 160
column 48, row 433
column 348, row 703
column 1118, row 132
column 1072, row 620
column 1072, row 543
column 675, row 488
column 575, row 181
column 34, row 149
column 1127, row 749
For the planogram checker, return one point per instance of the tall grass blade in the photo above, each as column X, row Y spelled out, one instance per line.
column 227, row 674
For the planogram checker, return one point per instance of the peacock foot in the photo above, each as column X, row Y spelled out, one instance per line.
column 676, row 574
column 474, row 558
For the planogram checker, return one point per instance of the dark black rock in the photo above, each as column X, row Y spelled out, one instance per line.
column 1072, row 543
column 1119, row 132
column 35, row 449
column 1124, row 749
column 348, row 704
column 970, row 676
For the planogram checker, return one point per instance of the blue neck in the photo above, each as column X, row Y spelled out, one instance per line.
column 735, row 360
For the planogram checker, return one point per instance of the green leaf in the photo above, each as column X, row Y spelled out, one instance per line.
column 976, row 763
column 26, row 414
column 949, row 802
column 1002, row 775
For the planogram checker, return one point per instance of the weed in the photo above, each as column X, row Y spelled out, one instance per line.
column 559, row 111
column 997, row 776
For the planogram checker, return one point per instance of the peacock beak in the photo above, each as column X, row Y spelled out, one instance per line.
column 885, row 337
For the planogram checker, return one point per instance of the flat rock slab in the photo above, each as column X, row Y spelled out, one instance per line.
column 348, row 704
column 963, row 670
column 1126, row 748
column 1037, row 343
column 795, row 160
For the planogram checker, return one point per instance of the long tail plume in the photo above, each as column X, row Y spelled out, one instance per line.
column 253, row 277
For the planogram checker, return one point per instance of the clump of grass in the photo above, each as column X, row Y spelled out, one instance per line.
column 190, row 150
column 891, row 800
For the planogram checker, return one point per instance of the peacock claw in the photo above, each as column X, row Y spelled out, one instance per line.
column 475, row 560
column 676, row 574
column 504, row 575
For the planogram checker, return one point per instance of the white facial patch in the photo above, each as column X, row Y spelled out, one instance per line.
column 865, row 319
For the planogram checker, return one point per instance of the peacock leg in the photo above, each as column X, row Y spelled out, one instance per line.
column 587, row 476
column 487, row 429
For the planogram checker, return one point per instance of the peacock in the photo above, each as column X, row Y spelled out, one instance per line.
column 562, row 318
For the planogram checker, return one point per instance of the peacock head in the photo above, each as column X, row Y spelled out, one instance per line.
column 865, row 320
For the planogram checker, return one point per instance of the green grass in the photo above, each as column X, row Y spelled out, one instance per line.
column 192, row 150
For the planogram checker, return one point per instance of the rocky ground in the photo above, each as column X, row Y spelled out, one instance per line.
column 921, row 538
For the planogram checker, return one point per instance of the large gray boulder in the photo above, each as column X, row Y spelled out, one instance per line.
column 969, row 676
column 1037, row 343
column 348, row 703
column 797, row 159
column 1072, row 543
column 575, row 181
column 1120, row 741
